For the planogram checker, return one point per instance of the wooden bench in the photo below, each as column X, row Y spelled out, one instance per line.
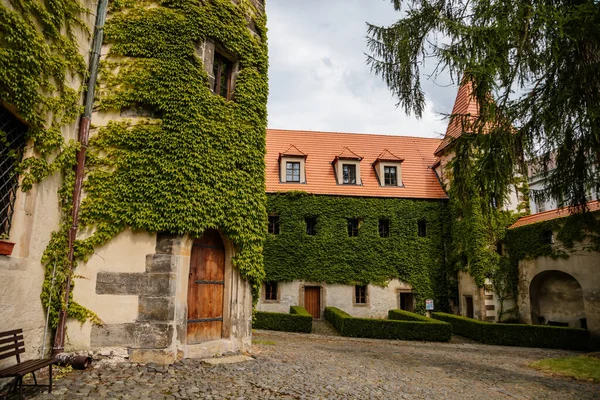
column 12, row 344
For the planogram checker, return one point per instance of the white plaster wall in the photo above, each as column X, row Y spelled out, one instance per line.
column 380, row 299
column 468, row 287
column 126, row 252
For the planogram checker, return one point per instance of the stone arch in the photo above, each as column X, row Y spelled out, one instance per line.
column 556, row 299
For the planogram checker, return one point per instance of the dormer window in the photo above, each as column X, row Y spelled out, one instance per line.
column 387, row 167
column 346, row 166
column 349, row 174
column 292, row 166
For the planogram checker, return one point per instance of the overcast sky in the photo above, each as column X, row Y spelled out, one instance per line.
column 319, row 79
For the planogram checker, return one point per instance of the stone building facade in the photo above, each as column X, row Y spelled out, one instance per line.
column 140, row 282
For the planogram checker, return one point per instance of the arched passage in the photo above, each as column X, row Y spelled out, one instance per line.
column 556, row 299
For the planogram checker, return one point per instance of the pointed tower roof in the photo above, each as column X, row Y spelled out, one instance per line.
column 464, row 105
column 387, row 155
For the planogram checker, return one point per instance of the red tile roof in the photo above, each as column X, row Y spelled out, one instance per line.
column 550, row 215
column 348, row 154
column 322, row 148
column 464, row 105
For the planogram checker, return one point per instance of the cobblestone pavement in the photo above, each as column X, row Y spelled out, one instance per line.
column 299, row 366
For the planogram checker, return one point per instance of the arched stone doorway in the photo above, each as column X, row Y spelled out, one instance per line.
column 206, row 285
column 556, row 299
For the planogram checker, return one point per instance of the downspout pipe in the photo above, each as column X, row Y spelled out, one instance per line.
column 84, row 135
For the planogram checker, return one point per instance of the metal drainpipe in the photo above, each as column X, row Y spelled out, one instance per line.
column 84, row 134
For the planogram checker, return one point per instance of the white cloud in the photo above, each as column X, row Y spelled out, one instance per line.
column 319, row 79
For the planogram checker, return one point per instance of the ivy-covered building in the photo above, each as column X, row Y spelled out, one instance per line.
column 356, row 222
column 147, row 191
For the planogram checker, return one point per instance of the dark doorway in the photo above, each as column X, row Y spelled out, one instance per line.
column 469, row 306
column 406, row 301
column 312, row 301
column 205, row 289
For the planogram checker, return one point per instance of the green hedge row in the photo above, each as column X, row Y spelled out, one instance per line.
column 554, row 337
column 401, row 315
column 298, row 320
column 401, row 329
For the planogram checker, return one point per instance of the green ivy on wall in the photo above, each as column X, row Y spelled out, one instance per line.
column 41, row 75
column 331, row 256
column 200, row 163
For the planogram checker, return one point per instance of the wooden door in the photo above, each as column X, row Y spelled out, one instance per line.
column 312, row 300
column 205, row 289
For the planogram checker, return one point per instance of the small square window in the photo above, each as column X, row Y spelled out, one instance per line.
column 390, row 176
column 292, row 171
column 311, row 225
column 384, row 228
column 422, row 227
column 274, row 224
column 222, row 71
column 349, row 174
column 360, row 294
column 270, row 291
column 353, row 227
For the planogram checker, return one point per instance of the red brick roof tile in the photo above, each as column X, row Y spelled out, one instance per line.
column 293, row 152
column 386, row 155
column 550, row 215
column 322, row 148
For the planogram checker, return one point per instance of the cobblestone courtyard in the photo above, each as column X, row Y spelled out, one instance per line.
column 297, row 366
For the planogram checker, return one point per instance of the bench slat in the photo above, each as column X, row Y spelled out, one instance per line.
column 10, row 347
column 11, row 339
column 27, row 367
column 9, row 333
column 12, row 353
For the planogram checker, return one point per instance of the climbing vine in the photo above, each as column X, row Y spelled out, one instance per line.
column 41, row 75
column 479, row 224
column 199, row 163
column 331, row 256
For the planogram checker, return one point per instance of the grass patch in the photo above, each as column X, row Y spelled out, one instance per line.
column 578, row 367
column 266, row 342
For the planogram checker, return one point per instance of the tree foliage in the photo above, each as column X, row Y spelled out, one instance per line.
column 535, row 69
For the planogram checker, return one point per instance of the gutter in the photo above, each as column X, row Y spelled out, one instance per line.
column 84, row 135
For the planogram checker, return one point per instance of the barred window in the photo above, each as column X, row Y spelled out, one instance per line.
column 384, row 228
column 12, row 142
column 353, row 227
column 271, row 291
column 311, row 225
column 273, row 224
column 360, row 294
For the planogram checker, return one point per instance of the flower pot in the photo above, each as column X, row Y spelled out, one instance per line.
column 6, row 247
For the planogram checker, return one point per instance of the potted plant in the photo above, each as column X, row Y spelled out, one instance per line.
column 6, row 247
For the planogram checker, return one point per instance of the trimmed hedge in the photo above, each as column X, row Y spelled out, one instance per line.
column 554, row 337
column 298, row 320
column 404, row 329
column 401, row 315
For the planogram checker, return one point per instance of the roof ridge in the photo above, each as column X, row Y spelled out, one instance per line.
column 356, row 133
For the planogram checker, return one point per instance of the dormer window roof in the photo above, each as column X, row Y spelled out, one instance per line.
column 348, row 154
column 292, row 151
column 292, row 166
column 347, row 167
column 388, row 169
column 387, row 155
